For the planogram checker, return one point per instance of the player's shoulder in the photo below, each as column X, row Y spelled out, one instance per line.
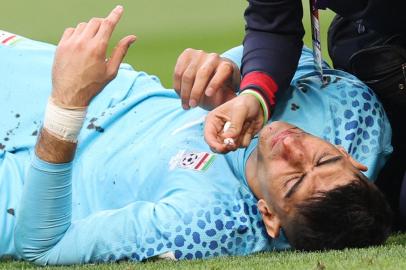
column 12, row 40
column 222, row 224
column 8, row 39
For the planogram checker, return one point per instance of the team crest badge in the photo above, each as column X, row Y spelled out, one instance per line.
column 197, row 161
column 8, row 39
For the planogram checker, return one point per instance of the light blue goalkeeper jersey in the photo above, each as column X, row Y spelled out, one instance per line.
column 143, row 182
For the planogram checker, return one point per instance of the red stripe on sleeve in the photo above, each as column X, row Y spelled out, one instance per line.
column 262, row 83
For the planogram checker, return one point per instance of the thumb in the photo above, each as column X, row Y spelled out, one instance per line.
column 118, row 54
column 238, row 118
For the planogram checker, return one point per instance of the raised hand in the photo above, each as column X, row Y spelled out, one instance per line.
column 205, row 79
column 81, row 68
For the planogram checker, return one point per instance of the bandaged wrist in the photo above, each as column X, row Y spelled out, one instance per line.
column 62, row 122
column 261, row 101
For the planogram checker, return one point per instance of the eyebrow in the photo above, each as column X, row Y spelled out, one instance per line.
column 296, row 186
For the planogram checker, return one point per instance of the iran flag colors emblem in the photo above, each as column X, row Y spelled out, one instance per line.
column 7, row 38
column 198, row 161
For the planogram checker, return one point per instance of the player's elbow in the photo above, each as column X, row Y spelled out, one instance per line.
column 29, row 247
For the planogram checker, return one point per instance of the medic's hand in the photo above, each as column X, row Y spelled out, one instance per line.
column 81, row 68
column 205, row 79
column 246, row 117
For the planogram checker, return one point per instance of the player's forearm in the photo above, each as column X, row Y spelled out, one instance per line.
column 45, row 210
column 51, row 149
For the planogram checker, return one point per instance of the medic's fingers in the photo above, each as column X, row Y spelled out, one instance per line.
column 181, row 64
column 203, row 77
column 237, row 141
column 223, row 73
column 247, row 137
column 188, row 79
column 117, row 56
column 212, row 130
column 238, row 117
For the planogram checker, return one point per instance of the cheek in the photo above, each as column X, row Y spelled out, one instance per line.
column 265, row 153
column 271, row 175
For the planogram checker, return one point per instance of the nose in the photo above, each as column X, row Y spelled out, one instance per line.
column 293, row 150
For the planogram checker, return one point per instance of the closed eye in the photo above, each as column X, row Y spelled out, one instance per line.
column 295, row 185
column 334, row 159
column 320, row 163
column 288, row 183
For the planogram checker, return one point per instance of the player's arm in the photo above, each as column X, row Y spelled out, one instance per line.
column 138, row 231
column 79, row 73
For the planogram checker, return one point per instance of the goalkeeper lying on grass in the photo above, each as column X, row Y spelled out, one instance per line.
column 115, row 169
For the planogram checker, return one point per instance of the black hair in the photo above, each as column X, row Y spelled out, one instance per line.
column 354, row 215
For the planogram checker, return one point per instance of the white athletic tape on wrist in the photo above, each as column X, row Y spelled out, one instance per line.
column 64, row 123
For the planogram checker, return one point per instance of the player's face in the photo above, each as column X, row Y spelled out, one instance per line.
column 292, row 165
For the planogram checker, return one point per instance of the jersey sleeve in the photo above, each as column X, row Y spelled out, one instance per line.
column 182, row 225
column 45, row 234
column 272, row 45
column 235, row 55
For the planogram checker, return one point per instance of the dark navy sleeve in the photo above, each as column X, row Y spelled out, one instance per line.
column 385, row 16
column 272, row 45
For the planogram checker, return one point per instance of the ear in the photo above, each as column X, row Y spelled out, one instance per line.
column 354, row 163
column 270, row 218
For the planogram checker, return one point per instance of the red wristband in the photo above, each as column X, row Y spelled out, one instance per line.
column 263, row 83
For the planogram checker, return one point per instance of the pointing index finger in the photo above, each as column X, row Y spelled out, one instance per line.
column 109, row 23
column 115, row 14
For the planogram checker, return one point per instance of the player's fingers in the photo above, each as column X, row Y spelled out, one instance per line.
column 67, row 34
column 203, row 77
column 109, row 23
column 223, row 73
column 79, row 28
column 181, row 64
column 92, row 27
column 118, row 54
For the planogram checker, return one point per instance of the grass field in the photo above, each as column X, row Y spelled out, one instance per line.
column 164, row 29
column 391, row 256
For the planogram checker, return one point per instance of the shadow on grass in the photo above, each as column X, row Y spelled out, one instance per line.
column 397, row 239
